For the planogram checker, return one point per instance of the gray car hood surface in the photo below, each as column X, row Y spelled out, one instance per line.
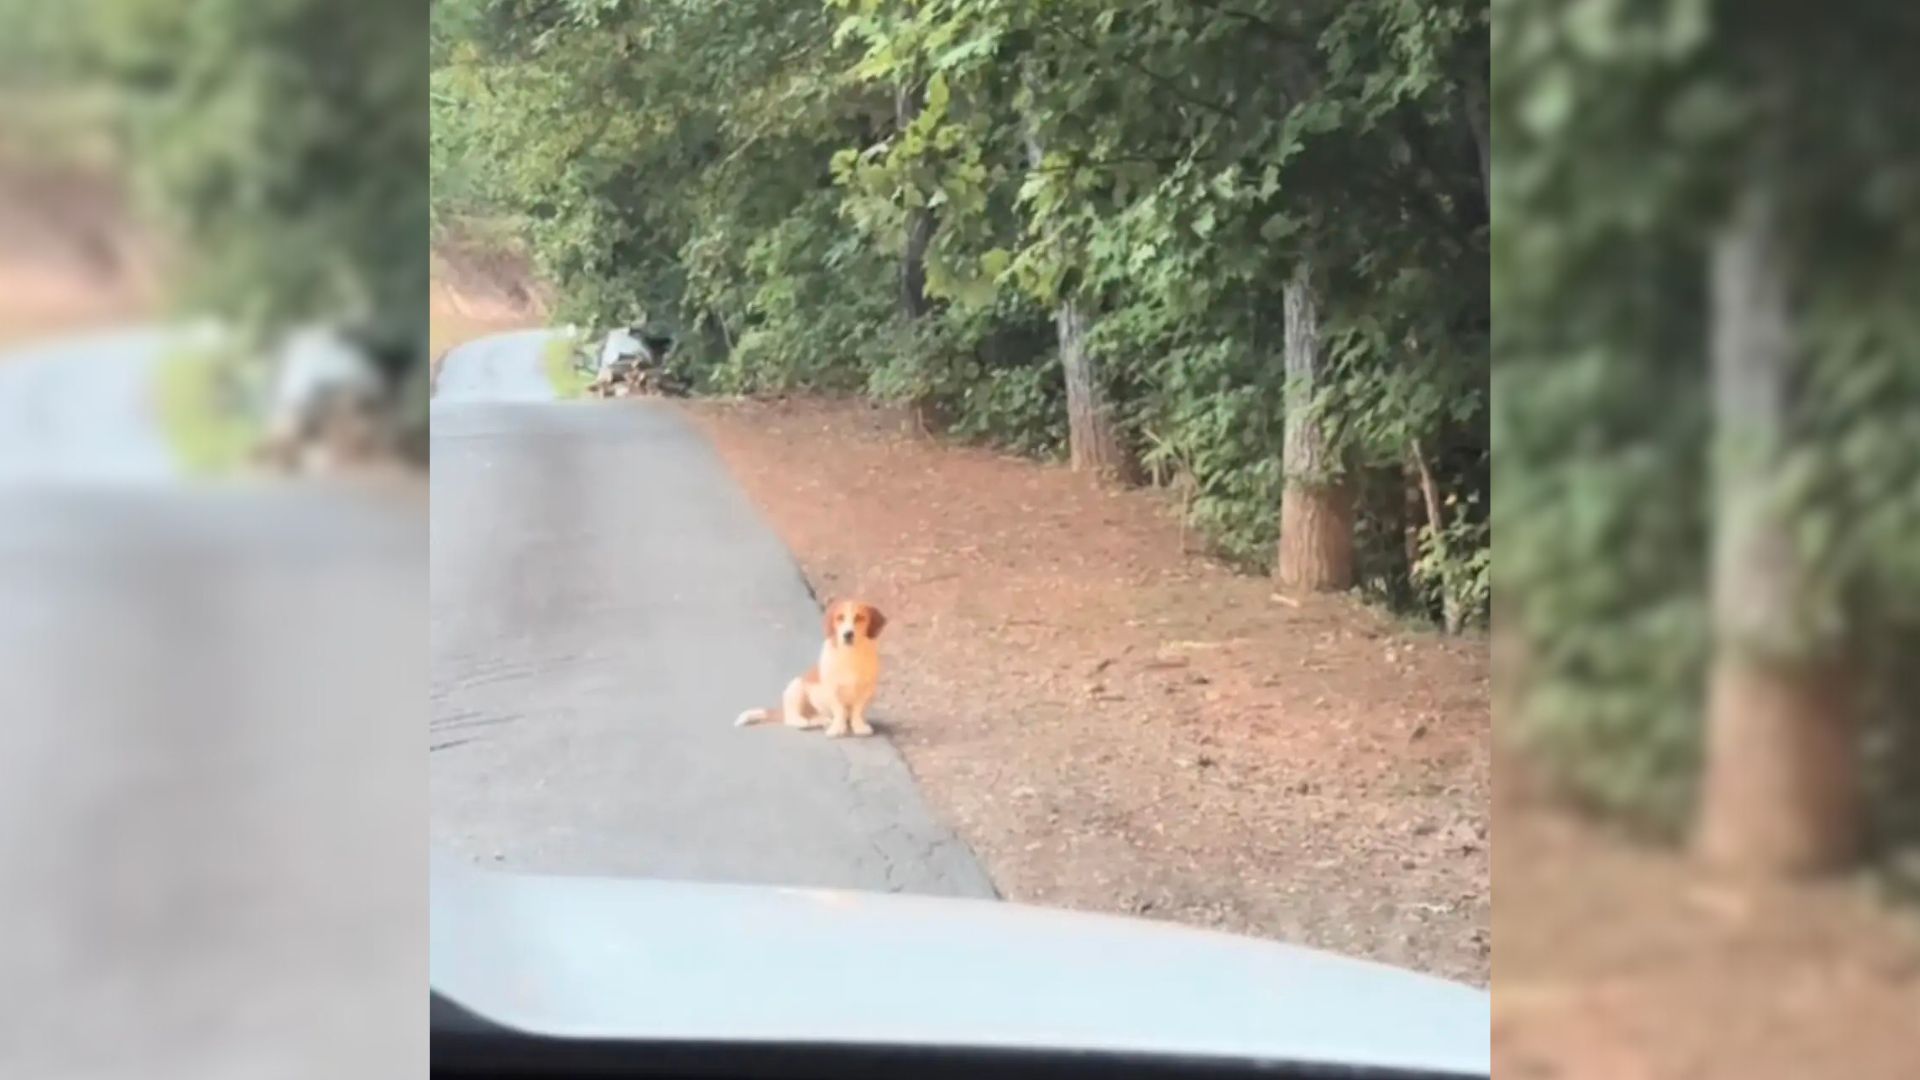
column 646, row 960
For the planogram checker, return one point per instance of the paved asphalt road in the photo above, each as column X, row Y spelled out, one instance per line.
column 604, row 601
column 210, row 779
column 503, row 367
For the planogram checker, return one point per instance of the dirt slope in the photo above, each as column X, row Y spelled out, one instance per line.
column 71, row 256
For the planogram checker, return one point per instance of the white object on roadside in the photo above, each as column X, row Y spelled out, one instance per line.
column 619, row 345
column 317, row 363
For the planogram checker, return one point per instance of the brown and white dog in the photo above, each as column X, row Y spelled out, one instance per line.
column 835, row 692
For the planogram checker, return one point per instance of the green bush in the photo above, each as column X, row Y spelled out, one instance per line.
column 561, row 360
column 761, row 169
column 208, row 402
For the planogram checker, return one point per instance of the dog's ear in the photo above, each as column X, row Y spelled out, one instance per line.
column 875, row 621
column 826, row 618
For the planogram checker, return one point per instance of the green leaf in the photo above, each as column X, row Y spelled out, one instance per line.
column 1269, row 181
column 1278, row 227
column 1549, row 101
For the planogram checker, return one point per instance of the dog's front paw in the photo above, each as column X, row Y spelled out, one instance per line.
column 837, row 731
column 862, row 728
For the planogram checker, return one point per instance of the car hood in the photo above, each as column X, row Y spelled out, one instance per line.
column 650, row 960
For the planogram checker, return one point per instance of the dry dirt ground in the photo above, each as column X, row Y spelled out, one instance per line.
column 1116, row 725
column 1620, row 962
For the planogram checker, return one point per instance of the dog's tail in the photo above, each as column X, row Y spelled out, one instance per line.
column 755, row 716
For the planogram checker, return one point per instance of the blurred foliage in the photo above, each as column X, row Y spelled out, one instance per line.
column 281, row 143
column 206, row 398
column 567, row 371
column 37, row 43
column 749, row 171
column 1625, row 128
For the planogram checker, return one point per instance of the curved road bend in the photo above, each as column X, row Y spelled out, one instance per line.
column 80, row 409
column 604, row 601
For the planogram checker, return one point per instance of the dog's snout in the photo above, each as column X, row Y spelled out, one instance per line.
column 846, row 635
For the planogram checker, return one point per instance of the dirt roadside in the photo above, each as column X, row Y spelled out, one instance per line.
column 1115, row 725
column 481, row 284
column 1622, row 962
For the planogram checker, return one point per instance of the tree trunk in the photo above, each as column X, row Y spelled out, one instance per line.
column 1452, row 617
column 1412, row 512
column 1780, row 794
column 719, row 341
column 1093, row 439
column 920, row 223
column 1477, row 125
column 1093, row 435
column 913, row 263
column 925, row 407
column 1316, row 505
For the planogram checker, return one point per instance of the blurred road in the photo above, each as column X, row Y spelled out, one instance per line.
column 605, row 601
column 209, row 706
column 83, row 409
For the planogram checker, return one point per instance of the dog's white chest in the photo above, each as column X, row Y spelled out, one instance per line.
column 850, row 672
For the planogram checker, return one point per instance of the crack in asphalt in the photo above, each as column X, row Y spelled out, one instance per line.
column 467, row 720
